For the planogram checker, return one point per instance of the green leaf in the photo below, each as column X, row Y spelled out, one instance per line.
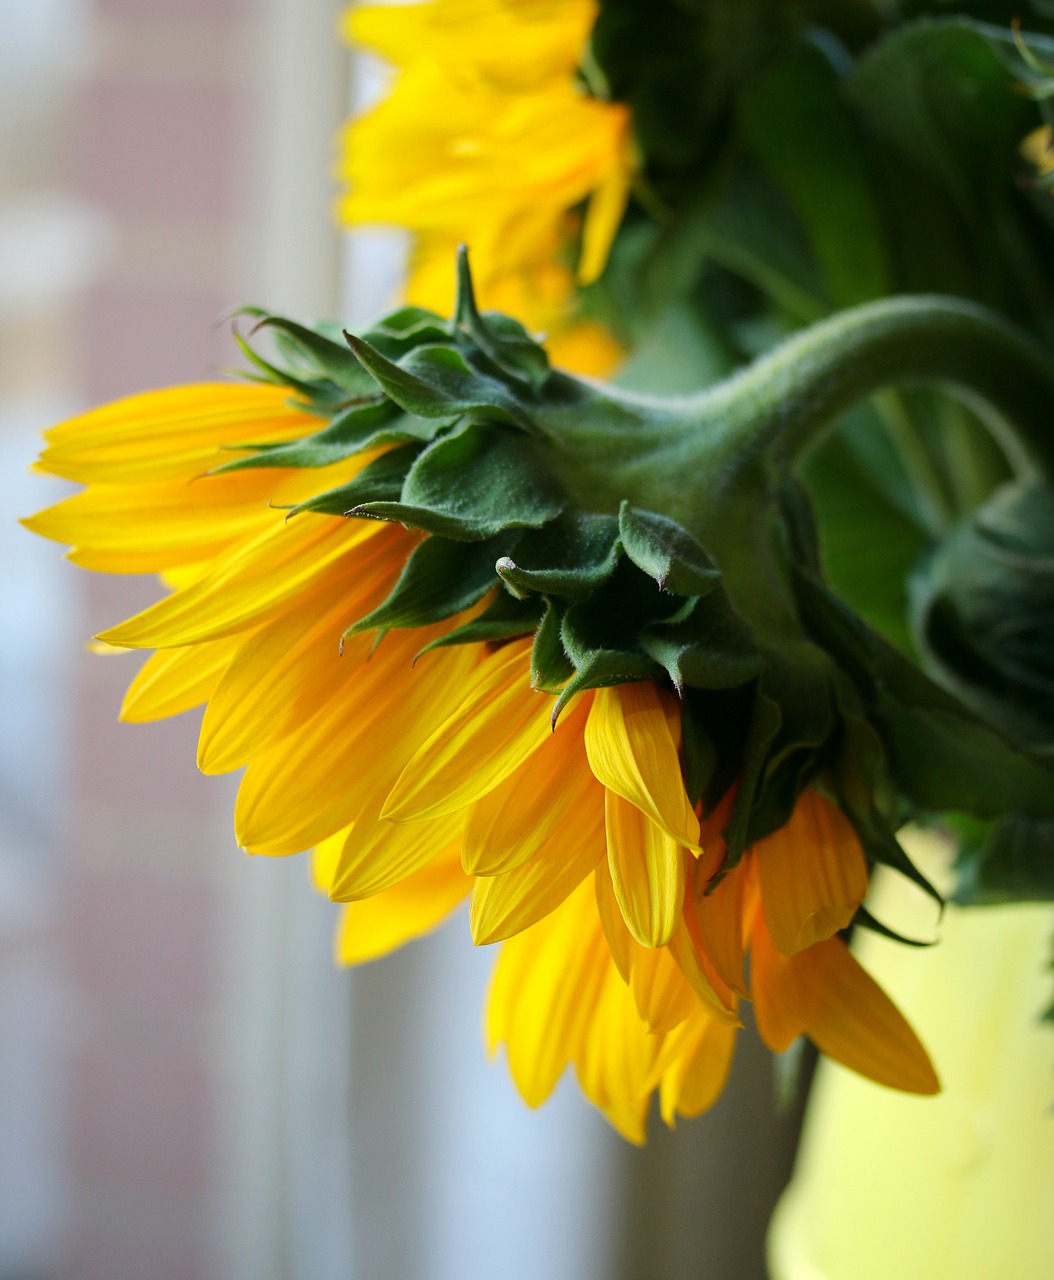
column 983, row 610
column 1014, row 864
column 473, row 483
column 382, row 479
column 797, row 121
column 666, row 552
column 439, row 579
column 942, row 756
column 570, row 557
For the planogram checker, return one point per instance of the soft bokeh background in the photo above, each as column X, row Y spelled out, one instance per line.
column 189, row 1090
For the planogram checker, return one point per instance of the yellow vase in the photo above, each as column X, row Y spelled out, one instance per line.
column 959, row 1186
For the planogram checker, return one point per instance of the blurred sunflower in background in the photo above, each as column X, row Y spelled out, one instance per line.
column 494, row 136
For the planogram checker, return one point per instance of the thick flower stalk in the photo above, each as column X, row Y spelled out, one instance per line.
column 476, row 628
column 491, row 136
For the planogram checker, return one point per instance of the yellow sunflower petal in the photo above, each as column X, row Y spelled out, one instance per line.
column 857, row 1024
column 324, row 859
column 694, row 1080
column 785, row 999
column 616, row 1059
column 318, row 778
column 647, row 873
column 376, row 926
column 249, row 586
column 543, row 993
column 604, row 212
column 662, row 996
column 505, row 904
column 633, row 753
column 522, row 815
column 180, row 432
column 812, row 874
column 498, row 725
column 378, row 854
column 175, row 680
column 293, row 665
column 620, row 941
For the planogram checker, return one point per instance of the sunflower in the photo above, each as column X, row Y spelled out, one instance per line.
column 388, row 691
column 490, row 137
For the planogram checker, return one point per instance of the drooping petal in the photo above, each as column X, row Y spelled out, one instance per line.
column 812, row 874
column 785, row 999
column 716, row 918
column 525, row 813
column 662, row 996
column 633, row 753
column 856, row 1023
column 543, row 993
column 505, row 904
column 616, row 1059
column 497, row 726
column 376, row 926
column 647, row 873
column 620, row 941
column 693, row 1081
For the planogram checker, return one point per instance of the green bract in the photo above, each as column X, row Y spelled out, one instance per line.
column 669, row 540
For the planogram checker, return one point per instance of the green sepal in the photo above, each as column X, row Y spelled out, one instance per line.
column 866, row 920
column 435, row 381
column 572, row 556
column 382, row 479
column 699, row 754
column 504, row 618
column 408, row 327
column 710, row 648
column 471, row 484
column 503, row 340
column 602, row 651
column 765, row 721
column 942, row 755
column 320, row 396
column 439, row 579
column 860, row 770
column 551, row 668
column 666, row 552
column 349, row 433
column 332, row 360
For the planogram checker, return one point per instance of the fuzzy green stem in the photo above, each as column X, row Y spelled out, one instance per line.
column 681, row 455
column 785, row 401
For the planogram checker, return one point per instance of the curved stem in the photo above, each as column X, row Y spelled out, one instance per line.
column 784, row 402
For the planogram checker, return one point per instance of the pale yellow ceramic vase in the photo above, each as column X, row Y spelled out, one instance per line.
column 958, row 1187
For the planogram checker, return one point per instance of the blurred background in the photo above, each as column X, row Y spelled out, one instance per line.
column 189, row 1089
